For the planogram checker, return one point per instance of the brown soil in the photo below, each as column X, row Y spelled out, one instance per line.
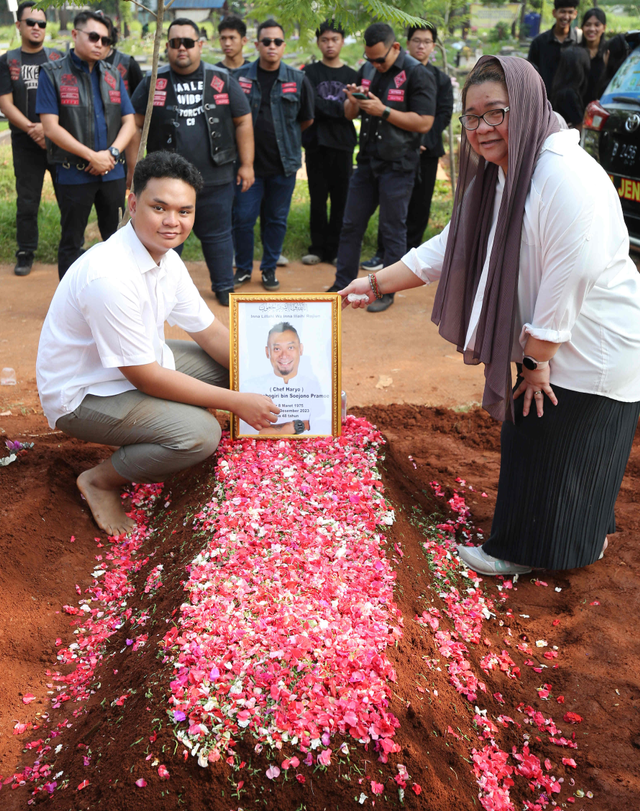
column 593, row 609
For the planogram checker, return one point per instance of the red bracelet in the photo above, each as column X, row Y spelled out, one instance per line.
column 373, row 283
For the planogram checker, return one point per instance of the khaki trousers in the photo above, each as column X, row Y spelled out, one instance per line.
column 157, row 437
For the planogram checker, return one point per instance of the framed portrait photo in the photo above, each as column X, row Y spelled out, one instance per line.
column 287, row 346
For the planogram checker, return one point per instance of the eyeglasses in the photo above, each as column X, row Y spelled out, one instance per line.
column 277, row 42
column 94, row 36
column 176, row 42
column 419, row 42
column 380, row 60
column 492, row 117
column 31, row 22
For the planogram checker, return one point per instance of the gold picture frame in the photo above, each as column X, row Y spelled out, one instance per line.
column 305, row 379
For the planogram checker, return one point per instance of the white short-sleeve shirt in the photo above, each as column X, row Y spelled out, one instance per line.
column 109, row 311
column 577, row 285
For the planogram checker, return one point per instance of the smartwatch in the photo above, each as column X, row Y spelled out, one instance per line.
column 532, row 364
column 115, row 152
column 386, row 113
column 298, row 427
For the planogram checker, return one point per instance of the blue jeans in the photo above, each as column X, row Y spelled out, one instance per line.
column 212, row 226
column 392, row 191
column 275, row 195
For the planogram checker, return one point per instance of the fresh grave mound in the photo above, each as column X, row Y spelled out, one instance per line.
column 260, row 689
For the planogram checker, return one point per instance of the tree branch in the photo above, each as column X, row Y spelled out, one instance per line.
column 135, row 3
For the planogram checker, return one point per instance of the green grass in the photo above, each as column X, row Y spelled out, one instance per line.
column 295, row 245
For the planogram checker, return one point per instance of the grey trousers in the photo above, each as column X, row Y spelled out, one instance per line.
column 157, row 437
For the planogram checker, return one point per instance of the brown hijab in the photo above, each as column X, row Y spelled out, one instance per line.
column 531, row 121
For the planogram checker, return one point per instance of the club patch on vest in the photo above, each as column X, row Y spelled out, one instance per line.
column 53, row 57
column 114, row 96
column 245, row 84
column 161, row 84
column 395, row 95
column 218, row 85
column 289, row 87
column 110, row 80
column 366, row 83
column 14, row 70
column 221, row 98
column 400, row 79
column 69, row 91
column 159, row 98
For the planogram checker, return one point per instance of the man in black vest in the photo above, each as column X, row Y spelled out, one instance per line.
column 200, row 112
column 88, row 122
column 125, row 64
column 19, row 71
column 396, row 97
column 420, row 44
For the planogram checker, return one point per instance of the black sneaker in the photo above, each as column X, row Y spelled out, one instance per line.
column 223, row 297
column 334, row 288
column 24, row 263
column 241, row 277
column 381, row 304
column 375, row 263
column 269, row 281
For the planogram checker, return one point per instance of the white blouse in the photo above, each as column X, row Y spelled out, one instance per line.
column 577, row 285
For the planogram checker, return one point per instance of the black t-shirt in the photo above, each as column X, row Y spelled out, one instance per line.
column 135, row 72
column 30, row 71
column 192, row 136
column 231, row 70
column 421, row 98
column 330, row 127
column 268, row 161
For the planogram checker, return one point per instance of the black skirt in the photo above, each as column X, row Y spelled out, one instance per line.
column 560, row 475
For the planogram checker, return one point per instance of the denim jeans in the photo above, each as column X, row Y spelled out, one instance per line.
column 275, row 194
column 392, row 190
column 212, row 226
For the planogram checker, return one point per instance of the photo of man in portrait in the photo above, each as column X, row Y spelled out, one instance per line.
column 304, row 406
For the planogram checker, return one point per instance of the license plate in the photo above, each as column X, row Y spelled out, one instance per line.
column 628, row 189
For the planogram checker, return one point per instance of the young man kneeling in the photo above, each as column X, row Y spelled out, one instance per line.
column 105, row 372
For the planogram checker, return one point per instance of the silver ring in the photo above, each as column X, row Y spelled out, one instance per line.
column 537, row 392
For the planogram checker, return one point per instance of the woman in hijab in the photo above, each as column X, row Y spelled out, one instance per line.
column 534, row 268
column 594, row 25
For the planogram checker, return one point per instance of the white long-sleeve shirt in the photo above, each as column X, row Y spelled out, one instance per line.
column 577, row 285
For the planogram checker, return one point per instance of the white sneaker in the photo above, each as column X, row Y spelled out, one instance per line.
column 311, row 259
column 282, row 261
column 478, row 560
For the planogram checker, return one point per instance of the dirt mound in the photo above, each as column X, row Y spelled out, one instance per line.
column 580, row 616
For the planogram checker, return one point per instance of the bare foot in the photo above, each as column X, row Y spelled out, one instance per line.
column 101, row 486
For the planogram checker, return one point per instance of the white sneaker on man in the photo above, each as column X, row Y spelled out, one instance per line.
column 282, row 261
column 311, row 259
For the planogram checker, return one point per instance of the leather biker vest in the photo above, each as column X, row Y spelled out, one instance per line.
column 75, row 104
column 215, row 102
column 18, row 85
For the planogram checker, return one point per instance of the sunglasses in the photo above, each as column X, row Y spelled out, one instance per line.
column 380, row 60
column 277, row 42
column 94, row 36
column 31, row 23
column 176, row 42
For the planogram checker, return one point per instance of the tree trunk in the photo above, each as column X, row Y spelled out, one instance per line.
column 152, row 89
column 64, row 18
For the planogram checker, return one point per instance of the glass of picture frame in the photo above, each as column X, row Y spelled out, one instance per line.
column 288, row 347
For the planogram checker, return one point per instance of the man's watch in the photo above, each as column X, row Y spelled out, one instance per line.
column 386, row 113
column 115, row 152
column 534, row 365
column 298, row 427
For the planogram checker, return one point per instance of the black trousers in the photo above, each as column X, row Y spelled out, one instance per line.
column 419, row 204
column 392, row 190
column 328, row 171
column 29, row 166
column 75, row 203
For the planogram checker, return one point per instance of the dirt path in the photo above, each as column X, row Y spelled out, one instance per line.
column 391, row 357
